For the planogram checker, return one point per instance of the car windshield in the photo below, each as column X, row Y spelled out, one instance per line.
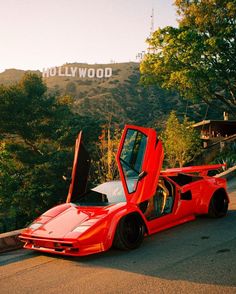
column 104, row 194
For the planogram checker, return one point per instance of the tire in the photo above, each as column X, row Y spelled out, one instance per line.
column 218, row 206
column 129, row 233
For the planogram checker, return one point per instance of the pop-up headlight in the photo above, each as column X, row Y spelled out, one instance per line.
column 85, row 226
column 81, row 229
column 35, row 226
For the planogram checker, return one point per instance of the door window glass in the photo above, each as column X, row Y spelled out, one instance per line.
column 132, row 156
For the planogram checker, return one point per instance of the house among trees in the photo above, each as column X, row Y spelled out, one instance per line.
column 217, row 131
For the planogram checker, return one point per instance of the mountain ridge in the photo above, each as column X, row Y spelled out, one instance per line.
column 120, row 95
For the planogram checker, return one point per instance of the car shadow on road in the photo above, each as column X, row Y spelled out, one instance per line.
column 203, row 251
column 16, row 255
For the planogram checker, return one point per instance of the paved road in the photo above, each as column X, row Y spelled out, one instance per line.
column 197, row 257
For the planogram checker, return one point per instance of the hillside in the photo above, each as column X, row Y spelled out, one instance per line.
column 119, row 94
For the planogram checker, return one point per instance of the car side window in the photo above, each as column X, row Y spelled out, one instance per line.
column 162, row 202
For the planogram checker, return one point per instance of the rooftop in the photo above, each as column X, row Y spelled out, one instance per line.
column 221, row 122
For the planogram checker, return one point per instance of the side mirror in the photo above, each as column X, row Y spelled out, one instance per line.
column 142, row 175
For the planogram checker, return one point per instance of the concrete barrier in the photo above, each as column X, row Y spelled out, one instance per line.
column 10, row 241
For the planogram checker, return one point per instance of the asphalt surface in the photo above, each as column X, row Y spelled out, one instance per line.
column 197, row 257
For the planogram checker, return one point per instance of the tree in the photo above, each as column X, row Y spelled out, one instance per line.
column 106, row 167
column 38, row 132
column 198, row 58
column 10, row 178
column 26, row 110
column 181, row 141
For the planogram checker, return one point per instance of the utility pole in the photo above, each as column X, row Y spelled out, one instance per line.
column 141, row 55
column 152, row 23
column 152, row 28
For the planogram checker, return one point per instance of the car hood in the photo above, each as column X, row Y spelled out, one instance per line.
column 66, row 221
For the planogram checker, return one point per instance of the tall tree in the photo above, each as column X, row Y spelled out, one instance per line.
column 106, row 167
column 181, row 141
column 198, row 58
column 26, row 110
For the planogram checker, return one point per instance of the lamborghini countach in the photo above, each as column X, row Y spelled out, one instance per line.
column 144, row 201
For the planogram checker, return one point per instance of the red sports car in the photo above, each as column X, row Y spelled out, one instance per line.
column 120, row 213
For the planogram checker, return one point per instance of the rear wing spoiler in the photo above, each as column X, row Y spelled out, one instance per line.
column 201, row 170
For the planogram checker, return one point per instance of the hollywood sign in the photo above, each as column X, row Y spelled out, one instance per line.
column 80, row 72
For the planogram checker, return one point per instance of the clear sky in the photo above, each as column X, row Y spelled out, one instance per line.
column 43, row 33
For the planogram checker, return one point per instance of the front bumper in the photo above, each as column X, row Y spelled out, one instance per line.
column 62, row 247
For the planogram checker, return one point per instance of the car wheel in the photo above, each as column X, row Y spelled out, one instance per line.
column 218, row 206
column 129, row 233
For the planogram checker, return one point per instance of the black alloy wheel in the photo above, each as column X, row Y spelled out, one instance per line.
column 129, row 233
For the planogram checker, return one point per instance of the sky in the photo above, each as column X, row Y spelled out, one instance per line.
column 36, row 34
